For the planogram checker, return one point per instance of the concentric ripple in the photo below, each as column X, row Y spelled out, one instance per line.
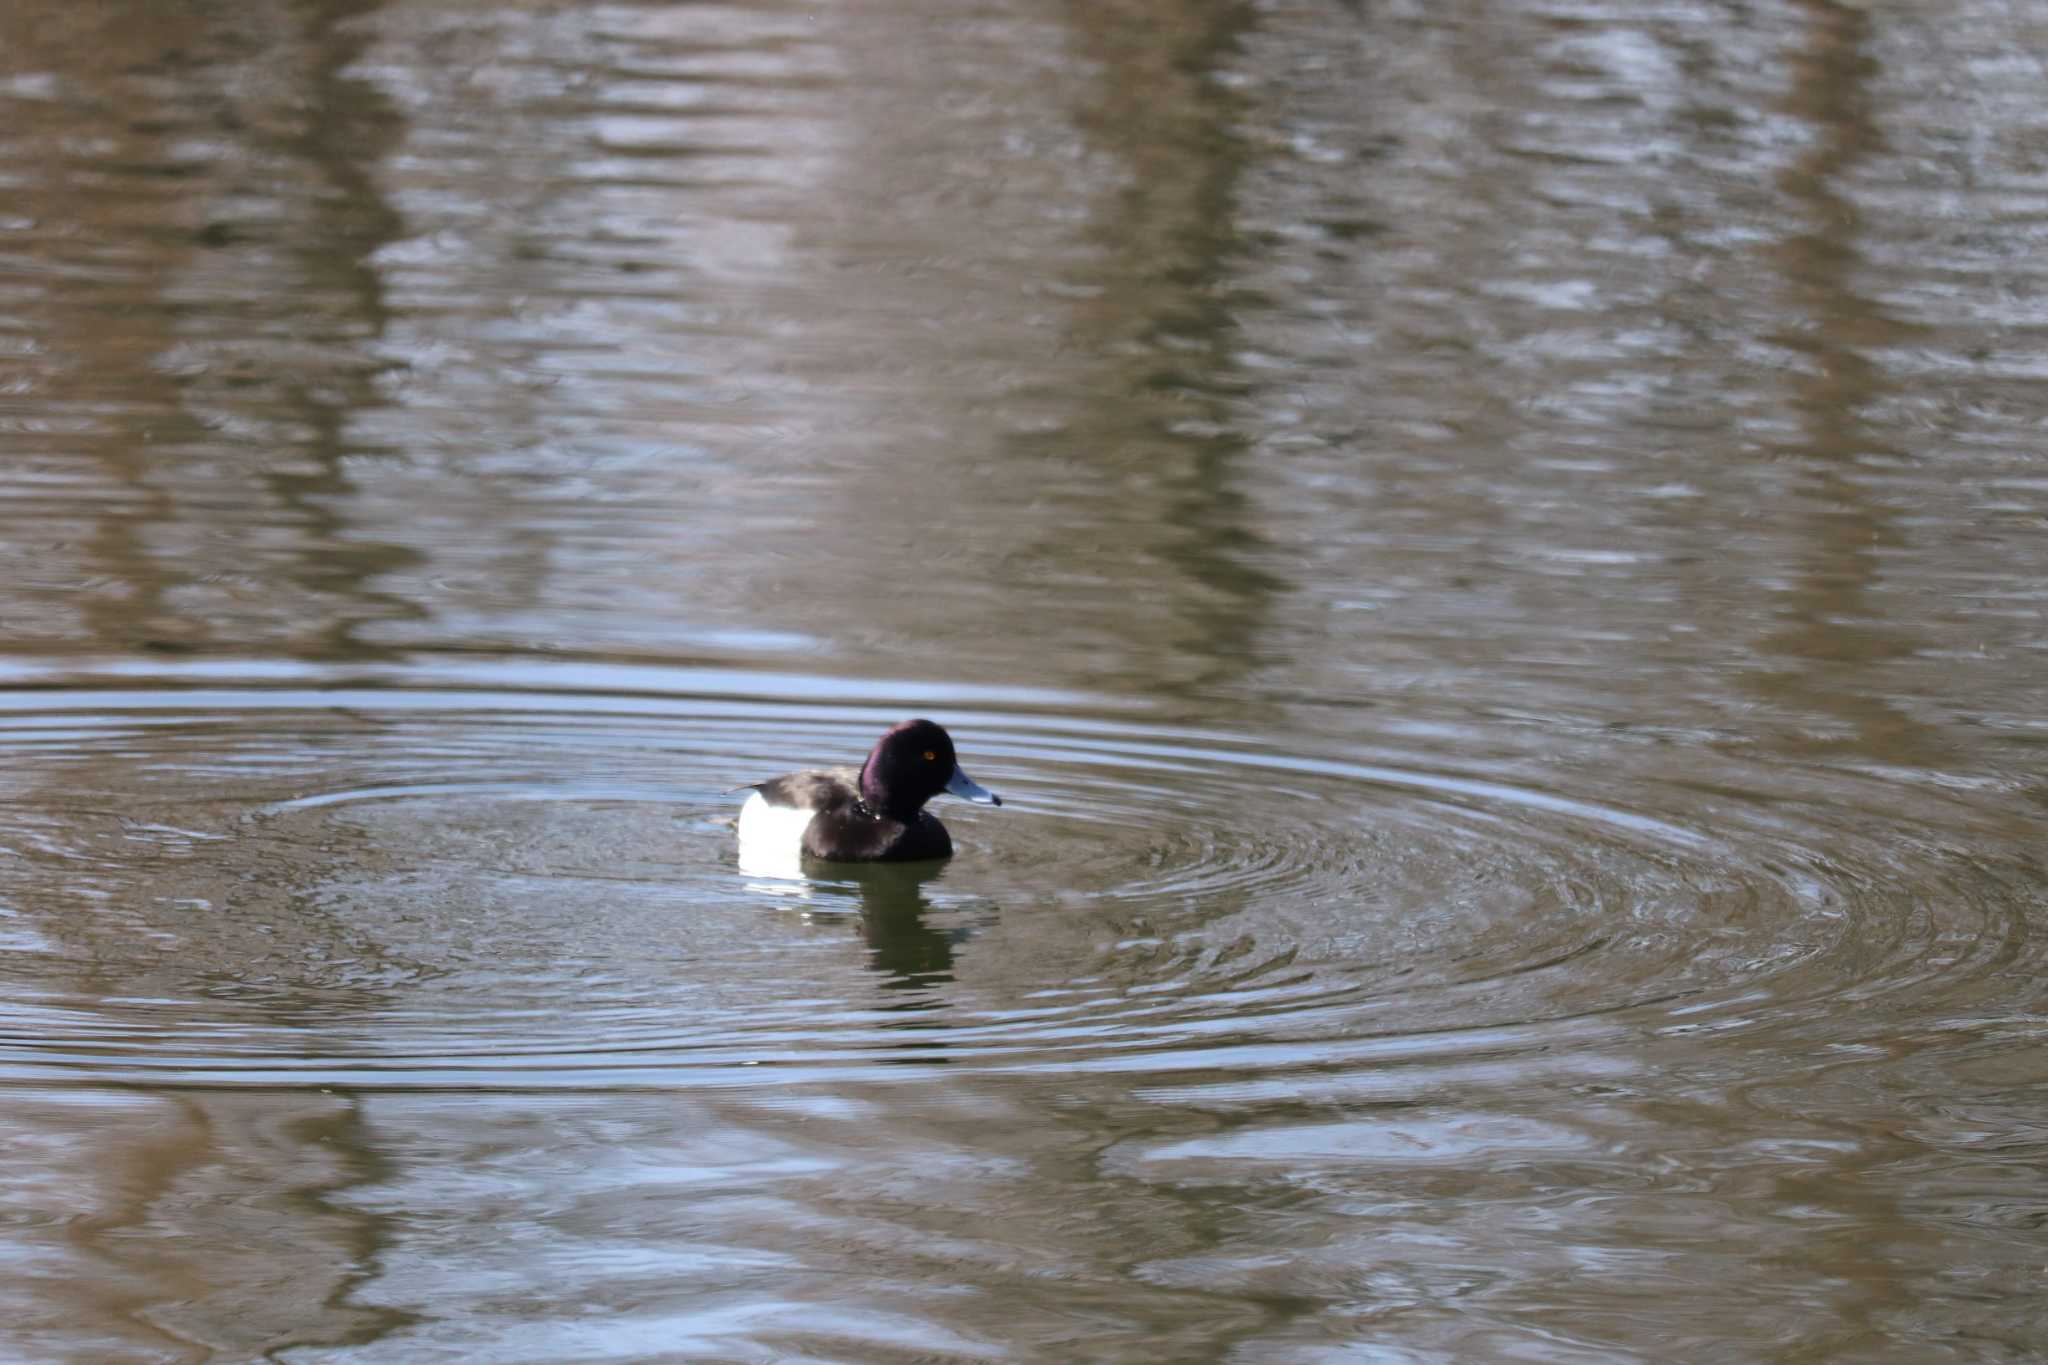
column 515, row 877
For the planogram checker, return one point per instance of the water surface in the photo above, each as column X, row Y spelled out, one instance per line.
column 1494, row 557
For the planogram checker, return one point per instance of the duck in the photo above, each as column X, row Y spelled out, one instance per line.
column 870, row 815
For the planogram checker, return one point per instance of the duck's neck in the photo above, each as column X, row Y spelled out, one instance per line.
column 875, row 799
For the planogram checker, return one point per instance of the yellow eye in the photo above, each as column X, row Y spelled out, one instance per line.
column 931, row 755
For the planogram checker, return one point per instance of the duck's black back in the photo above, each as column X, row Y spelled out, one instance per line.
column 817, row 789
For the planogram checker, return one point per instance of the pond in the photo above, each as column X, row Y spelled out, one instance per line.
column 1495, row 555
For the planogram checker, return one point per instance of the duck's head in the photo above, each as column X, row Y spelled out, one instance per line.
column 910, row 765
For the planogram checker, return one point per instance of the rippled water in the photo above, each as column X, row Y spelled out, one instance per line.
column 1494, row 556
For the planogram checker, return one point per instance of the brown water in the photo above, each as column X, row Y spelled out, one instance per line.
column 1496, row 554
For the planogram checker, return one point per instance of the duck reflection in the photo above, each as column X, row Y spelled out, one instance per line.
column 890, row 913
column 902, row 946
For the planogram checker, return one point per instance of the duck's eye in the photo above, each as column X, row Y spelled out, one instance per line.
column 931, row 755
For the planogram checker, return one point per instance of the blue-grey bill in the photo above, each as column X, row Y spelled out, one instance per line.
column 960, row 784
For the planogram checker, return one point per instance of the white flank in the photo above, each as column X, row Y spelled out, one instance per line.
column 772, row 838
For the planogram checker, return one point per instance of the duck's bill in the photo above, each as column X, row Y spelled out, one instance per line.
column 960, row 784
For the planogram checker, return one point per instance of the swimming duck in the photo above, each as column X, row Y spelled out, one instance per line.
column 874, row 815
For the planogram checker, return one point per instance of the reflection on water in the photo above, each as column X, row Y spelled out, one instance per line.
column 1493, row 556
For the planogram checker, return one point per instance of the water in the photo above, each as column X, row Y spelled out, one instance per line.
column 1494, row 556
